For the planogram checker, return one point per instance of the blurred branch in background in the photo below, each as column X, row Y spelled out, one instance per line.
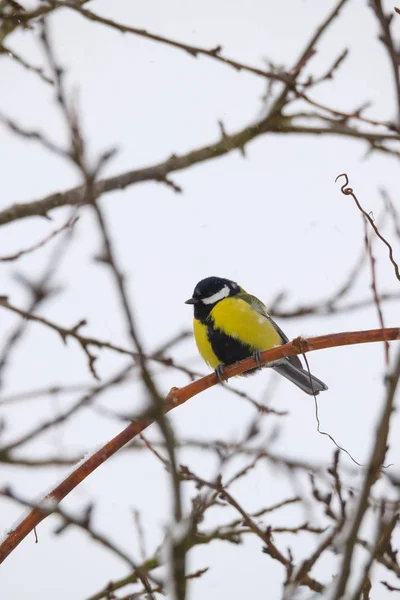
column 276, row 121
column 330, row 510
column 70, row 223
column 40, row 291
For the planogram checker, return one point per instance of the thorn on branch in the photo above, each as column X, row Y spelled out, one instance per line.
column 227, row 140
column 104, row 158
column 169, row 182
column 192, row 52
column 177, row 188
column 387, row 585
column 216, row 51
column 222, row 130
column 80, row 324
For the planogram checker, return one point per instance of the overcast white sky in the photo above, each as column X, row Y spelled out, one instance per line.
column 275, row 221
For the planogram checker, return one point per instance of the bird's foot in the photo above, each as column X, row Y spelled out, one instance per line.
column 257, row 357
column 218, row 373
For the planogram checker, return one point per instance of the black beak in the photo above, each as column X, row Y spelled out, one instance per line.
column 191, row 301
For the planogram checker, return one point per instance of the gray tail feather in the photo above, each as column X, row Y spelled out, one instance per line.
column 300, row 377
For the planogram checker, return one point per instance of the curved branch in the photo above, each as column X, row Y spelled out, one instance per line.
column 176, row 397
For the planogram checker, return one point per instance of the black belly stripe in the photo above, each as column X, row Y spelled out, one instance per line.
column 227, row 349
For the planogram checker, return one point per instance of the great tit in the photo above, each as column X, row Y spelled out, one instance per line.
column 230, row 325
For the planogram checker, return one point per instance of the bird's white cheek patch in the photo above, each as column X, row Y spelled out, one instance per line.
column 223, row 293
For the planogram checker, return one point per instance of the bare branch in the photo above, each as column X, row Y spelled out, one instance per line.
column 18, row 59
column 69, row 224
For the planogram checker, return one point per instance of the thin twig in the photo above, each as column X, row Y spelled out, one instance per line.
column 11, row 257
column 348, row 191
column 32, row 134
column 26, row 65
column 374, row 287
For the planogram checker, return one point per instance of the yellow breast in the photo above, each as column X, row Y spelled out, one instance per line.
column 203, row 344
column 238, row 319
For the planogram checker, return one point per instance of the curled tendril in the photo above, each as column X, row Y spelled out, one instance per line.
column 347, row 191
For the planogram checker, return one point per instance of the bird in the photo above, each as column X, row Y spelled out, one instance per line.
column 229, row 325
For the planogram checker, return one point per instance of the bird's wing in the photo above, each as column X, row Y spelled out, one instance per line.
column 260, row 307
column 262, row 310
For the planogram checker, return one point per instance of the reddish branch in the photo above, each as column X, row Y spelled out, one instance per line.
column 176, row 397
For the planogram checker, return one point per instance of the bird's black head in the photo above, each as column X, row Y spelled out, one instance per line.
column 208, row 292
